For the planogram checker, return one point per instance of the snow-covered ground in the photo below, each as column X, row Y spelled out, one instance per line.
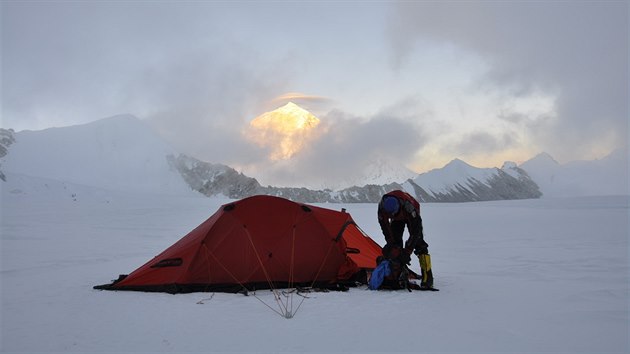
column 547, row 275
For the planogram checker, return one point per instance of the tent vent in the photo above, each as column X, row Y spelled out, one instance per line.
column 169, row 262
column 306, row 209
column 229, row 207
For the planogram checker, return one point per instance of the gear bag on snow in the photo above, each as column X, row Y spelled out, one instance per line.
column 378, row 275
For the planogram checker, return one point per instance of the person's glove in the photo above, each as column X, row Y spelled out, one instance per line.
column 420, row 251
column 422, row 248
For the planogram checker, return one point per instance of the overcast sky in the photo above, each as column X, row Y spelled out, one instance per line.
column 421, row 82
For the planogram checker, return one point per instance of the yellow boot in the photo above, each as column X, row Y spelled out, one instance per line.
column 427, row 273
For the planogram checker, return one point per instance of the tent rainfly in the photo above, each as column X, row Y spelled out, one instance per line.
column 260, row 242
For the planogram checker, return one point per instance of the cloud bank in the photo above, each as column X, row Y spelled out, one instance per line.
column 418, row 83
column 575, row 52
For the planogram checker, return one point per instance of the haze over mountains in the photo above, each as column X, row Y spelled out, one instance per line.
column 606, row 176
column 122, row 153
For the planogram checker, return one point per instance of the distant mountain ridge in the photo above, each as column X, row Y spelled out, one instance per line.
column 498, row 184
column 122, row 153
column 459, row 181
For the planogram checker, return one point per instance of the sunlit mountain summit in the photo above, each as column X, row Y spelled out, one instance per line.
column 284, row 131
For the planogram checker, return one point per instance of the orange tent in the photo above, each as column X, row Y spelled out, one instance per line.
column 259, row 242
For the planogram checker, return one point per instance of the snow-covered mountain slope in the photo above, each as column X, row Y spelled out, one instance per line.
column 459, row 181
column 380, row 171
column 456, row 172
column 377, row 171
column 606, row 176
column 118, row 153
column 214, row 179
column 18, row 185
column 7, row 138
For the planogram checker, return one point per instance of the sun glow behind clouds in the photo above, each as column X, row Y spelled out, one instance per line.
column 284, row 131
column 297, row 97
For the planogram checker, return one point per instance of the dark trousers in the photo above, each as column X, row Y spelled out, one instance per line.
column 398, row 228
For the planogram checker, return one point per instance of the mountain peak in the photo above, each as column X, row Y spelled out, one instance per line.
column 509, row 165
column 457, row 164
column 285, row 131
column 294, row 114
column 543, row 156
column 292, row 105
column 542, row 161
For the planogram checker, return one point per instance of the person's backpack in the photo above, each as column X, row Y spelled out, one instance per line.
column 391, row 273
column 378, row 275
